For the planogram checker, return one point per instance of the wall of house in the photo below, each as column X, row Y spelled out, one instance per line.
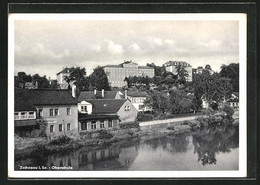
column 127, row 115
column 89, row 128
column 62, row 118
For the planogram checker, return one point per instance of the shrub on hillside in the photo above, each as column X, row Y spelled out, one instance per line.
column 104, row 134
column 61, row 140
column 229, row 111
column 129, row 125
column 144, row 117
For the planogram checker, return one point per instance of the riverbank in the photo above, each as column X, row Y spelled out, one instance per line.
column 37, row 147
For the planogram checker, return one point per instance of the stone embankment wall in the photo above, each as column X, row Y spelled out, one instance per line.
column 172, row 120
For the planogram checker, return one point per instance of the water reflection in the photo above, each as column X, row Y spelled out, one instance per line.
column 204, row 149
column 210, row 141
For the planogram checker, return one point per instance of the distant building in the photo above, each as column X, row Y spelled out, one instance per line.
column 171, row 66
column 138, row 98
column 61, row 77
column 31, row 85
column 56, row 110
column 117, row 73
column 200, row 69
column 234, row 100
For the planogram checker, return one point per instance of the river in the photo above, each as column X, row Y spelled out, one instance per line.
column 203, row 149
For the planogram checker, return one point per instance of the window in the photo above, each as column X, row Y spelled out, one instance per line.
column 83, row 126
column 93, row 125
column 56, row 111
column 84, row 109
column 102, row 125
column 110, row 124
column 68, row 126
column 40, row 113
column 68, row 111
column 23, row 115
column 60, row 127
column 16, row 116
column 51, row 128
column 31, row 115
column 51, row 112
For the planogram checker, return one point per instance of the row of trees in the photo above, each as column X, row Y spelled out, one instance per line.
column 42, row 81
column 212, row 88
column 97, row 80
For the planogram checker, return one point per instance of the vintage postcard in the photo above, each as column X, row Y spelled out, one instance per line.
column 127, row 95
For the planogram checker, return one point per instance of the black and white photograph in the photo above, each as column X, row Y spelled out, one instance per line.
column 127, row 95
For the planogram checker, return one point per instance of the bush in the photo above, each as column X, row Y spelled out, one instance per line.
column 229, row 111
column 144, row 117
column 129, row 125
column 104, row 134
column 61, row 140
column 204, row 121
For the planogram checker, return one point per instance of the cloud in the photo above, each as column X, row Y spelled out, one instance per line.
column 134, row 47
column 114, row 48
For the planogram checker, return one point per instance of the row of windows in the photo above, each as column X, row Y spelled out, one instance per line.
column 94, row 125
column 24, row 115
column 53, row 112
column 60, row 127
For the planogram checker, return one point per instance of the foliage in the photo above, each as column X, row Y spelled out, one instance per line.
column 129, row 125
column 228, row 110
column 22, row 77
column 158, row 70
column 144, row 117
column 42, row 81
column 98, row 79
column 104, row 134
column 211, row 87
column 61, row 140
column 231, row 71
column 159, row 102
column 181, row 102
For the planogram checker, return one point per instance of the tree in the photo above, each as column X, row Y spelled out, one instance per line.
column 99, row 80
column 78, row 77
column 180, row 102
column 158, row 70
column 231, row 71
column 182, row 74
column 208, row 67
column 43, row 82
column 159, row 102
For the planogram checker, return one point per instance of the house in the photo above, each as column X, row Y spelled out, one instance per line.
column 172, row 66
column 233, row 101
column 137, row 98
column 65, row 72
column 116, row 74
column 54, row 110
column 105, row 113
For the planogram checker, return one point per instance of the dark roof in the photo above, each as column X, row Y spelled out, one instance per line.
column 136, row 93
column 82, row 116
column 27, row 99
column 102, row 106
column 115, row 66
column 145, row 67
column 90, row 95
column 65, row 70
column 128, row 62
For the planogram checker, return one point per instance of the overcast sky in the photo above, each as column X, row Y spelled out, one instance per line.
column 46, row 46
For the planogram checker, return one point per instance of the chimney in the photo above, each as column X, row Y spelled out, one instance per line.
column 73, row 90
column 125, row 94
column 95, row 92
column 103, row 93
